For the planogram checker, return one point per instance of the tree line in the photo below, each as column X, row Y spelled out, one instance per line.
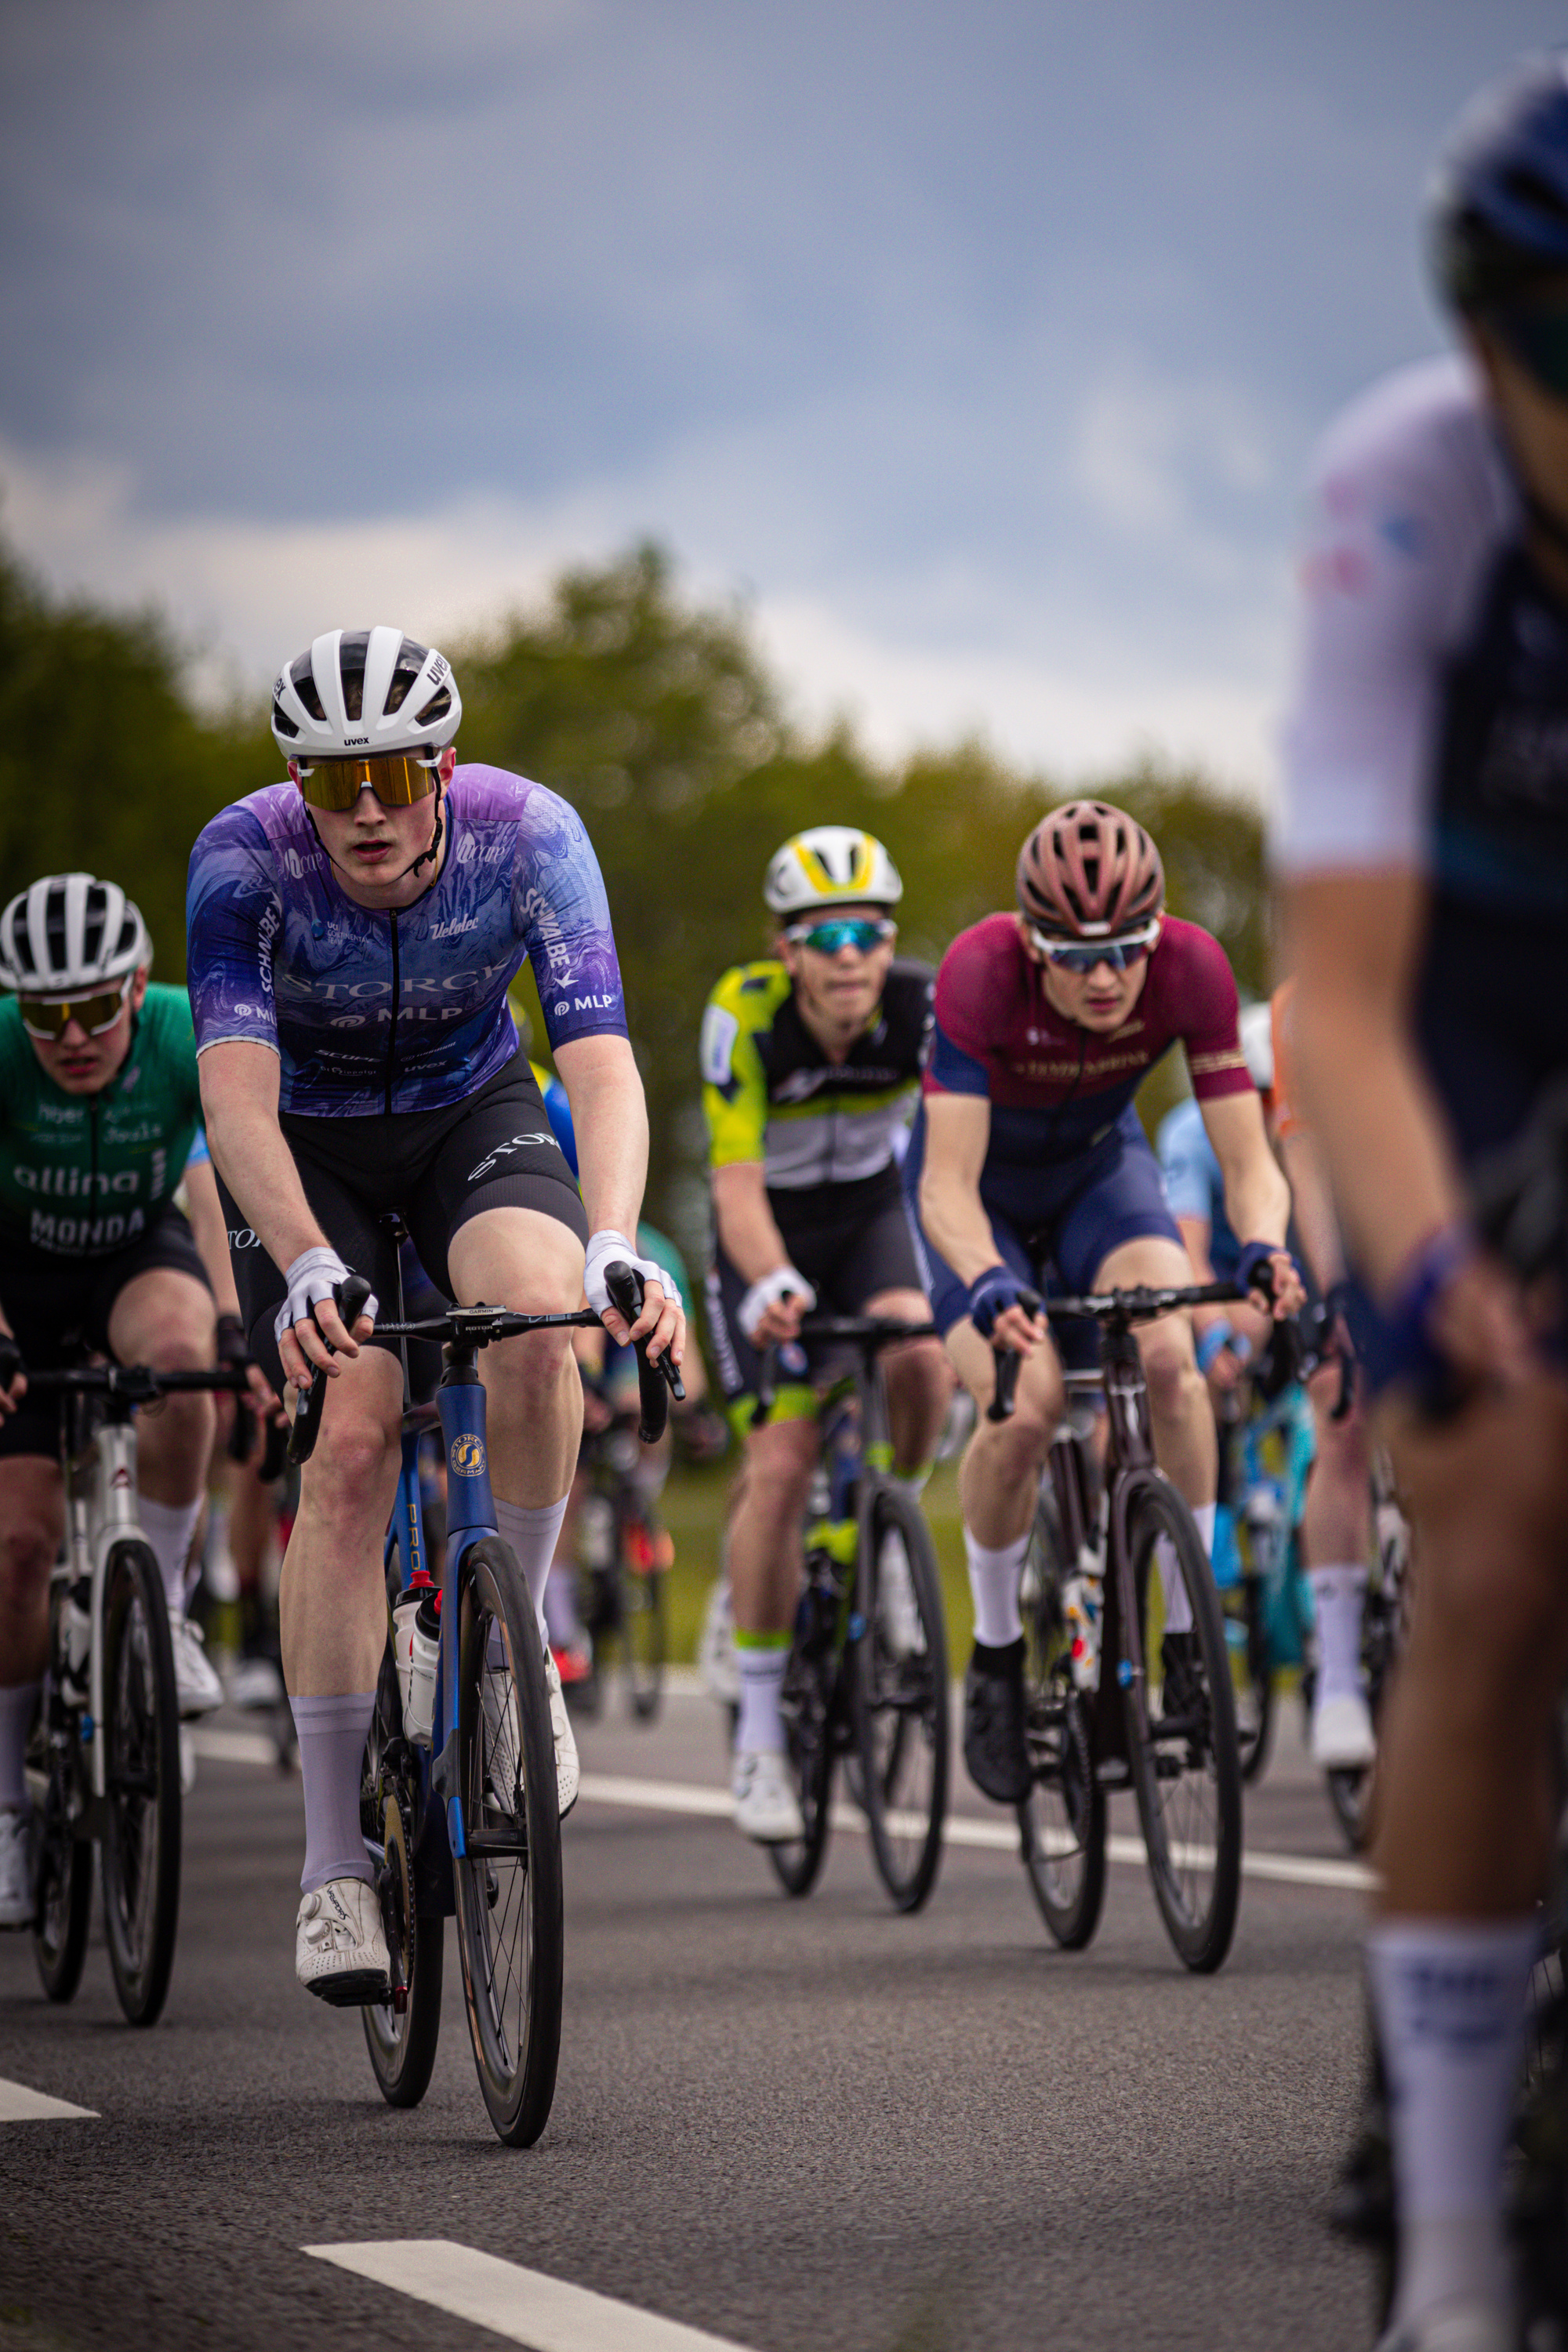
column 659, row 721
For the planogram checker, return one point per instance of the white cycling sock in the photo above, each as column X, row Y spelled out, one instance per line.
column 168, row 1528
column 1449, row 1995
column 1178, row 1605
column 994, row 1576
column 331, row 1734
column 1336, row 1597
column 532, row 1535
column 560, row 1606
column 761, row 1664
column 17, row 1705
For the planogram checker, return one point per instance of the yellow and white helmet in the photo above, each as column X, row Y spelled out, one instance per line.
column 830, row 866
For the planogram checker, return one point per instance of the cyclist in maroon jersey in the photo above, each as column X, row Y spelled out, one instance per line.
column 1027, row 1151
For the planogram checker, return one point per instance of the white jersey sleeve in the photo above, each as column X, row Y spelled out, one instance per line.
column 1409, row 505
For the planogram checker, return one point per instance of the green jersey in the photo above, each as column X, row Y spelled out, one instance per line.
column 85, row 1175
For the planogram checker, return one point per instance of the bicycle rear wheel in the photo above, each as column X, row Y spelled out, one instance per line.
column 811, row 1729
column 642, row 1614
column 63, row 1882
column 1180, row 1729
column 510, row 1926
column 899, row 1697
column 139, row 1851
column 401, row 2034
column 1252, row 1670
column 1062, row 1821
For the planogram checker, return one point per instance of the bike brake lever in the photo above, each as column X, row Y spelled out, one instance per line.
column 656, row 1381
column 349, row 1297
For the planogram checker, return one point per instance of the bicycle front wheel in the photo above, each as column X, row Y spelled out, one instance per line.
column 1180, row 1729
column 63, row 1883
column 510, row 1926
column 899, row 1696
column 1062, row 1821
column 139, row 1853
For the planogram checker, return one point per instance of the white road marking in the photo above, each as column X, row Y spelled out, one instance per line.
column 235, row 1746
column 18, row 2105
column 997, row 1837
column 522, row 2305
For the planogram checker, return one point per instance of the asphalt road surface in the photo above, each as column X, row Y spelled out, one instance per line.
column 796, row 2127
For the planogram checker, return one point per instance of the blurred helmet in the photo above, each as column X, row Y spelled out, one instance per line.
column 365, row 691
column 830, row 866
column 1498, row 206
column 1258, row 1045
column 70, row 933
column 1088, row 870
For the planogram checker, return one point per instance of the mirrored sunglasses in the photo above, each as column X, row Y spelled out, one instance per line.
column 397, row 780
column 49, row 1017
column 1537, row 335
column 1128, row 948
column 862, row 932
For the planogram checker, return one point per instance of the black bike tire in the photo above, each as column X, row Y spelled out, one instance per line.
column 910, row 1887
column 798, row 1865
column 141, row 1965
column 1201, row 1938
column 519, row 2085
column 1071, row 1919
column 1255, row 1753
column 64, row 1886
column 644, row 1604
column 403, row 2047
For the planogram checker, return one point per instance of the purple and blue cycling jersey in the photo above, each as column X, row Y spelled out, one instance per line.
column 382, row 1011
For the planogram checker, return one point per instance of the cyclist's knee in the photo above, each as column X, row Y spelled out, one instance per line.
column 1170, row 1369
column 350, row 1466
column 780, row 1461
column 28, row 1544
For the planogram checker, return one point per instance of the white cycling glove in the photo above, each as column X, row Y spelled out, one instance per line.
column 310, row 1279
column 603, row 1249
column 781, row 1282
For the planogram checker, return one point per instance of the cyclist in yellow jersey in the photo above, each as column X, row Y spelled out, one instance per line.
column 810, row 1061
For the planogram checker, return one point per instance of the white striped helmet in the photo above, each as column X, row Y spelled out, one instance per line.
column 70, row 933
column 830, row 866
column 365, row 691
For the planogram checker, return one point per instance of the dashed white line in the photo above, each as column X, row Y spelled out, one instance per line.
column 18, row 2105
column 522, row 2305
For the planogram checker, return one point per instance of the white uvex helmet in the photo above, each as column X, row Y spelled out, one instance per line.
column 365, row 691
column 830, row 866
column 70, row 934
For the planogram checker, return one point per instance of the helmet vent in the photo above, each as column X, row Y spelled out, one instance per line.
column 411, row 660
column 282, row 724
column 305, row 686
column 437, row 707
column 92, row 925
column 351, row 649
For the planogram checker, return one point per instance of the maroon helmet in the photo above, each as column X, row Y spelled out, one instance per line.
column 1088, row 870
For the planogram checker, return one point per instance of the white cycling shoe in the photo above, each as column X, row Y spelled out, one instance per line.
column 1456, row 2327
column 196, row 1679
column 339, row 1945
column 716, row 1658
column 568, row 1773
column 766, row 1807
column 1343, row 1735
column 16, row 1869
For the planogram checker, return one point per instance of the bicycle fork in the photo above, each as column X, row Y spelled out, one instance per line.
column 100, row 1486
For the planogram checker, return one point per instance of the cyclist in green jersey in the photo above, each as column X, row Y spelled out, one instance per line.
column 98, row 1110
column 810, row 1062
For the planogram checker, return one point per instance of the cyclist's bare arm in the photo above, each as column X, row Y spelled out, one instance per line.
column 958, row 1135
column 751, row 1240
column 1257, row 1197
column 1355, row 938
column 1316, row 1220
column 609, row 1115
column 240, row 1084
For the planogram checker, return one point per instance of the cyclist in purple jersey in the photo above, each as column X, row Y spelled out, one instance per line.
column 353, row 934
column 1028, row 1152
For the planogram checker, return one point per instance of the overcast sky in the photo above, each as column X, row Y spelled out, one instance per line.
column 980, row 346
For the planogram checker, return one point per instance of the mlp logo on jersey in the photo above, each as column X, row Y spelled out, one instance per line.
column 467, row 1455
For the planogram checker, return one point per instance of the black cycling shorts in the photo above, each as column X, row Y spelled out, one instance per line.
column 57, row 1305
column 852, row 1241
column 494, row 1150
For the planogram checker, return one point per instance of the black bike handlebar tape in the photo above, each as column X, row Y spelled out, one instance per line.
column 625, row 1288
column 241, row 1430
column 1009, row 1364
column 274, row 1453
column 349, row 1299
